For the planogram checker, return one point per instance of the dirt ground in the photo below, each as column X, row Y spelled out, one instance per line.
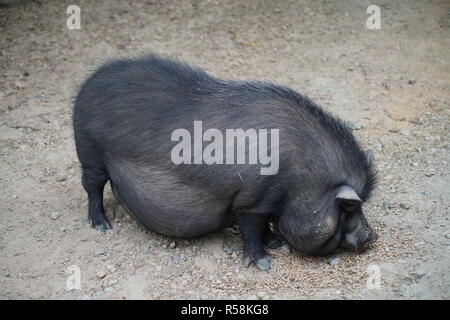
column 392, row 85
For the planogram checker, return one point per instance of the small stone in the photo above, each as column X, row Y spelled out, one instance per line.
column 113, row 282
column 121, row 46
column 60, row 178
column 146, row 251
column 285, row 248
column 404, row 206
column 388, row 204
column 228, row 250
column 236, row 270
column 55, row 215
column 20, row 84
column 431, row 151
column 404, row 132
column 252, row 297
column 261, row 294
column 108, row 289
column 352, row 126
column 68, row 289
column 412, row 81
column 9, row 133
column 172, row 245
column 420, row 274
column 158, row 268
column 334, row 261
column 100, row 252
column 416, row 121
column 448, row 236
column 234, row 255
column 101, row 274
column 111, row 268
column 429, row 173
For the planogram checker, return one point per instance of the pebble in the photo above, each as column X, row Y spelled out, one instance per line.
column 261, row 294
column 172, row 245
column 420, row 274
column 236, row 270
column 113, row 282
column 234, row 255
column 111, row 268
column 404, row 132
column 448, row 236
column 108, row 289
column 412, row 81
column 286, row 248
column 404, row 206
column 228, row 250
column 101, row 274
column 388, row 204
column 416, row 121
column 252, row 297
column 431, row 151
column 60, row 178
column 429, row 173
column 20, row 84
column 100, row 252
column 55, row 215
column 334, row 261
column 158, row 268
column 9, row 133
column 352, row 126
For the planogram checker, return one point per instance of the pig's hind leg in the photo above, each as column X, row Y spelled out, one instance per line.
column 272, row 239
column 94, row 178
column 252, row 227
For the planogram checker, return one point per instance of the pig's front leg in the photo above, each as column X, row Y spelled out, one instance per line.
column 252, row 227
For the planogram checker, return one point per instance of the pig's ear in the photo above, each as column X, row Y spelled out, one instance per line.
column 348, row 198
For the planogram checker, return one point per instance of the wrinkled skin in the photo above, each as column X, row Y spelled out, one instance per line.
column 123, row 118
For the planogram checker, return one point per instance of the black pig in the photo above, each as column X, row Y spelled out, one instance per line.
column 126, row 113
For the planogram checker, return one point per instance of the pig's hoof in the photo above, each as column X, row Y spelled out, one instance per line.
column 273, row 240
column 261, row 264
column 100, row 223
column 274, row 243
column 264, row 263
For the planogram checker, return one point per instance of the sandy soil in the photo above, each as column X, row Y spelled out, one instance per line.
column 392, row 84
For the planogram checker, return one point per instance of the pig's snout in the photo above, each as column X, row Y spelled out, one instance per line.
column 373, row 237
column 358, row 240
